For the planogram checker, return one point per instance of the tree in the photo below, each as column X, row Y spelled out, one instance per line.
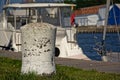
column 87, row 3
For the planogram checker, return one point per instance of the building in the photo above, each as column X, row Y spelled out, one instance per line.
column 101, row 15
column 87, row 16
column 95, row 15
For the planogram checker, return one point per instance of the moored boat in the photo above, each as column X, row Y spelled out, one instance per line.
column 17, row 15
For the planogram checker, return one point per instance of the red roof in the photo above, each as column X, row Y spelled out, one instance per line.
column 88, row 10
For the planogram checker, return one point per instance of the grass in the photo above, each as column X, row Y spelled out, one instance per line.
column 10, row 70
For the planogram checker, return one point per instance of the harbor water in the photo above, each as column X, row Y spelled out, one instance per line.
column 88, row 41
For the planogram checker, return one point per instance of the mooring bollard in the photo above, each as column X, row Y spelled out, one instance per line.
column 38, row 48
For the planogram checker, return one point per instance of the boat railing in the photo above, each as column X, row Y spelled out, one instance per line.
column 71, row 35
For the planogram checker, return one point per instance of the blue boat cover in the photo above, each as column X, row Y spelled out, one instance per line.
column 114, row 16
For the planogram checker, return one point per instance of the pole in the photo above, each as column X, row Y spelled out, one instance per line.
column 60, row 17
column 7, row 1
column 104, row 32
column 34, row 0
column 106, row 19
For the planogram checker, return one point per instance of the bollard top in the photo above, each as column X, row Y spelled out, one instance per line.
column 39, row 25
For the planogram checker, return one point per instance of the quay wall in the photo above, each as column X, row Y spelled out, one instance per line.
column 93, row 29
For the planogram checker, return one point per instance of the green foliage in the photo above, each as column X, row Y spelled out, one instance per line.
column 10, row 70
column 87, row 3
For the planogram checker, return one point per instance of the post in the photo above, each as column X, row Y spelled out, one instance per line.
column 4, row 19
column 104, row 57
column 60, row 17
column 38, row 48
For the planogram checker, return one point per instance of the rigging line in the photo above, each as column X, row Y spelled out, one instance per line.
column 116, row 25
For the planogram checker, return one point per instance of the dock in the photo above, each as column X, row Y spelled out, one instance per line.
column 94, row 29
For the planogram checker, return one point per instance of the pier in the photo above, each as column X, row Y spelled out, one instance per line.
column 94, row 29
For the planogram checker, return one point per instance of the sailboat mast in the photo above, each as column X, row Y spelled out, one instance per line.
column 7, row 1
column 106, row 19
column 105, row 26
column 104, row 57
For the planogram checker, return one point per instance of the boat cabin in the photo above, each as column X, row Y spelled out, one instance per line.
column 52, row 13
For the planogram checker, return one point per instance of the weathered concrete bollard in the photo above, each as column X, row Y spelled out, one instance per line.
column 38, row 48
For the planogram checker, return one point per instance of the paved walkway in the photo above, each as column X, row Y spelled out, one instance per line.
column 111, row 67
